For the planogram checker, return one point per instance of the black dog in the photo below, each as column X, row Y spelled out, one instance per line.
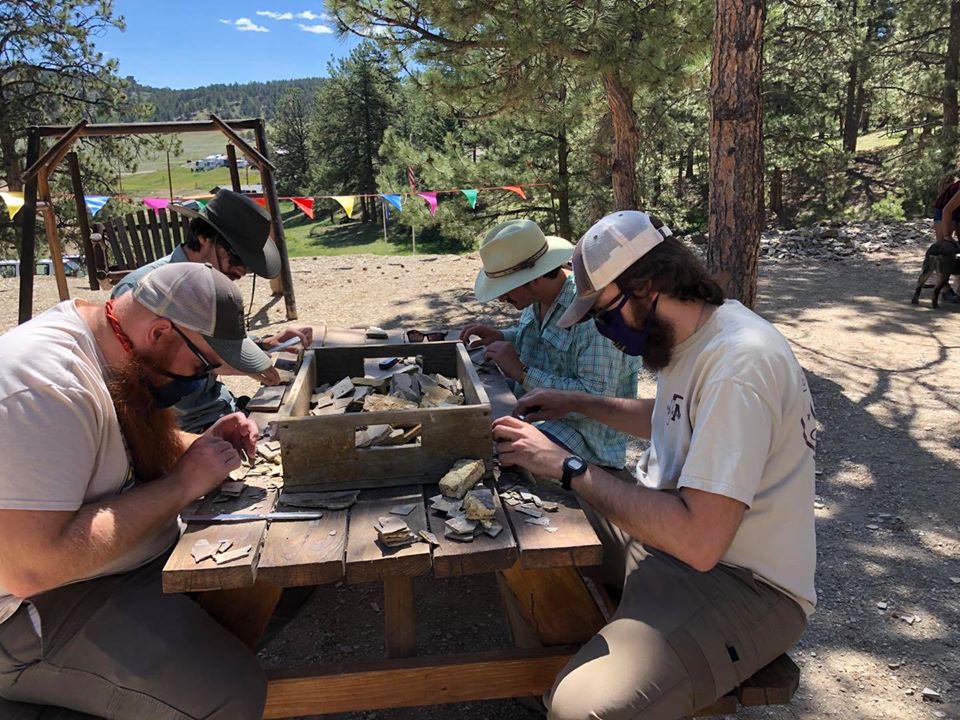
column 942, row 258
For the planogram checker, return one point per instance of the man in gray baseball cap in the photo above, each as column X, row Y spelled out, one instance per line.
column 231, row 233
column 97, row 473
column 713, row 543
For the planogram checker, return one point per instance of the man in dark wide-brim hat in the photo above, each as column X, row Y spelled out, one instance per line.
column 232, row 233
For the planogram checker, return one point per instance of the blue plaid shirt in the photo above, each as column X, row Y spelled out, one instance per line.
column 576, row 359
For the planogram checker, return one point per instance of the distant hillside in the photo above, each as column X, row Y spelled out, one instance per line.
column 254, row 99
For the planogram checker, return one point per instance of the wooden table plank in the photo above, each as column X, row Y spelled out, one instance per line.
column 413, row 682
column 399, row 617
column 574, row 543
column 367, row 559
column 305, row 553
column 484, row 554
column 182, row 574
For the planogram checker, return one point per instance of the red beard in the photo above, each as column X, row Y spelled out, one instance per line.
column 150, row 432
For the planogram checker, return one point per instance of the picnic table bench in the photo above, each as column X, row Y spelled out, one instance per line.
column 533, row 569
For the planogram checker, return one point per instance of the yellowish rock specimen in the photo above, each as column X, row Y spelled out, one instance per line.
column 462, row 478
column 478, row 504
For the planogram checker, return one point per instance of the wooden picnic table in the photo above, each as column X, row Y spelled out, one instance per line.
column 549, row 601
column 533, row 568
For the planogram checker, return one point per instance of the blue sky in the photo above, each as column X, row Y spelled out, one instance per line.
column 188, row 43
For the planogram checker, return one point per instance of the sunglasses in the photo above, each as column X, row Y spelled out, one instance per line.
column 421, row 336
column 603, row 315
column 208, row 367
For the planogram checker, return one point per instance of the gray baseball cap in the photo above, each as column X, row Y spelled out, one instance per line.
column 198, row 297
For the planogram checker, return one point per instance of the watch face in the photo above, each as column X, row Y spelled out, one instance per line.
column 576, row 464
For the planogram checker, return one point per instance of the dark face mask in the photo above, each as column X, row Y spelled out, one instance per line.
column 611, row 325
column 178, row 388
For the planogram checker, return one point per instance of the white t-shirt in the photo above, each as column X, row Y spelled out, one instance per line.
column 734, row 416
column 59, row 434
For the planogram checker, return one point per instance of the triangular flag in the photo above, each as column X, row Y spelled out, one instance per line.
column 95, row 203
column 471, row 196
column 202, row 204
column 431, row 198
column 305, row 204
column 346, row 202
column 515, row 189
column 262, row 202
column 155, row 203
column 394, row 200
column 14, row 201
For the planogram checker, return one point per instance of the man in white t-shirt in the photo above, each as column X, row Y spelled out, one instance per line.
column 95, row 475
column 714, row 544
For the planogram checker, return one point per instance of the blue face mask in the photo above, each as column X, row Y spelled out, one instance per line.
column 611, row 325
column 176, row 390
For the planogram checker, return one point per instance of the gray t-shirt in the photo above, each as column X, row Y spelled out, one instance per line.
column 61, row 439
column 212, row 400
column 734, row 416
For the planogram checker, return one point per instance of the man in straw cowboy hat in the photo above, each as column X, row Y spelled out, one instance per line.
column 232, row 233
column 714, row 544
column 97, row 473
column 523, row 267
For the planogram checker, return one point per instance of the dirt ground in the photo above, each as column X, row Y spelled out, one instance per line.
column 886, row 382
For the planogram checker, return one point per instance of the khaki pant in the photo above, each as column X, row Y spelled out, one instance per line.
column 679, row 640
column 118, row 647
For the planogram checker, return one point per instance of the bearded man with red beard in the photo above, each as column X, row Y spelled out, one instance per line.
column 95, row 475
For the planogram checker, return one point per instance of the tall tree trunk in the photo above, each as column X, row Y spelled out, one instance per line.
column 690, row 175
column 564, row 228
column 776, row 194
column 951, row 74
column 736, row 146
column 623, row 160
column 681, row 160
column 851, row 119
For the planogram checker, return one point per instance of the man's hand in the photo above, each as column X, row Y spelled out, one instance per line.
column 504, row 354
column 547, row 404
column 238, row 430
column 205, row 465
column 520, row 443
column 485, row 333
column 270, row 376
column 305, row 333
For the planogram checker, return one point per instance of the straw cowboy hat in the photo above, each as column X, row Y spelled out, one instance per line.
column 514, row 253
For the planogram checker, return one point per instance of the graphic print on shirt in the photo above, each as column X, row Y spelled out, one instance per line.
column 808, row 421
column 674, row 413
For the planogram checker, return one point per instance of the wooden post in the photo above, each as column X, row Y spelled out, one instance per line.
column 244, row 612
column 28, row 239
column 74, row 165
column 53, row 239
column 399, row 617
column 232, row 164
column 273, row 204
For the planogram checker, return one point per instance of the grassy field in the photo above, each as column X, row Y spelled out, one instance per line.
column 195, row 146
column 322, row 238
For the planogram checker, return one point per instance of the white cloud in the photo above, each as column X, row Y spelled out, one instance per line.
column 247, row 25
column 225, row 22
column 318, row 29
column 309, row 15
column 275, row 15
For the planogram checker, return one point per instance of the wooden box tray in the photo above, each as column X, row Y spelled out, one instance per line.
column 321, row 451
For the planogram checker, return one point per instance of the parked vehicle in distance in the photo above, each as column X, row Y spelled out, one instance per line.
column 71, row 266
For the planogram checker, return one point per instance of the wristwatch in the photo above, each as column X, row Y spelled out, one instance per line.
column 573, row 466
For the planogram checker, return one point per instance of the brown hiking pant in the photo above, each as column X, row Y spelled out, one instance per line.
column 679, row 640
column 118, row 647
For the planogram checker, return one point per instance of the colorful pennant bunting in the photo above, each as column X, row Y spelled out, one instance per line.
column 202, row 204
column 95, row 203
column 515, row 189
column 262, row 202
column 431, row 198
column 305, row 204
column 346, row 202
column 14, row 201
column 394, row 200
column 471, row 196
column 155, row 203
